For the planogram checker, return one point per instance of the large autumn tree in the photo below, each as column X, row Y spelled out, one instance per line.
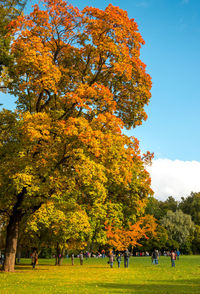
column 79, row 81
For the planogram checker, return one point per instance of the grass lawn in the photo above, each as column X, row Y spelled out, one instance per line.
column 95, row 276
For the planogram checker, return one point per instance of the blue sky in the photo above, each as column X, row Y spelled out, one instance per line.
column 171, row 30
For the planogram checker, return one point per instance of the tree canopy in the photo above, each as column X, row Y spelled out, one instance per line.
column 191, row 205
column 179, row 226
column 79, row 81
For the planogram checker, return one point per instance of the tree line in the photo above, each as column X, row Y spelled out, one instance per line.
column 178, row 224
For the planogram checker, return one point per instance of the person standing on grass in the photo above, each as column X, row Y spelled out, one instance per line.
column 119, row 258
column 81, row 258
column 173, row 258
column 126, row 258
column 72, row 258
column 155, row 256
column 152, row 259
column 111, row 259
column 177, row 254
column 34, row 257
column 103, row 253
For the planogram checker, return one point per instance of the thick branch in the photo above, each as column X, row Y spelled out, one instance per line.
column 101, row 62
column 38, row 101
column 86, row 66
column 48, row 100
column 68, row 112
column 20, row 198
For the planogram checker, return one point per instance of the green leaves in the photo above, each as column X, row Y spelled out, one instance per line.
column 179, row 225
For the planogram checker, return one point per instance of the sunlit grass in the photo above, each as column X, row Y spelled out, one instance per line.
column 95, row 276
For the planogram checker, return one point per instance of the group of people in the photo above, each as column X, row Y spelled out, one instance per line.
column 111, row 256
column 174, row 254
column 126, row 256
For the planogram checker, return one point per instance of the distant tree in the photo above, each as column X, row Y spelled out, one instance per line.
column 172, row 244
column 196, row 240
column 154, row 208
column 179, row 226
column 158, row 240
column 159, row 208
column 191, row 206
column 169, row 204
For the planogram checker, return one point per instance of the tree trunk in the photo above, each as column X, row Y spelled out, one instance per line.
column 11, row 243
column 18, row 254
column 12, row 233
column 57, row 254
column 61, row 256
column 60, row 259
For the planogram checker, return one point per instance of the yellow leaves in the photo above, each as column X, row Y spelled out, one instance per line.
column 25, row 179
column 22, row 154
column 5, row 79
column 36, row 126
column 33, row 56
column 63, row 225
column 78, row 222
column 21, row 180
column 92, row 177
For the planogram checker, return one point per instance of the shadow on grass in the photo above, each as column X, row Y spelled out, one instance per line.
column 22, row 269
column 178, row 286
column 91, row 266
column 28, row 268
column 29, row 264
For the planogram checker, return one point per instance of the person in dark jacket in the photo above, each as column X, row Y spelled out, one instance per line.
column 119, row 258
column 155, row 256
column 126, row 258
column 34, row 258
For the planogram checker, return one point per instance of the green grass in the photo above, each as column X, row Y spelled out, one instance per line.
column 95, row 276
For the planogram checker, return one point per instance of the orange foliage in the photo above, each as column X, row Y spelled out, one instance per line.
column 87, row 61
column 121, row 238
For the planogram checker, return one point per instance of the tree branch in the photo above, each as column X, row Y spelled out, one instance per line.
column 67, row 112
column 48, row 100
column 38, row 101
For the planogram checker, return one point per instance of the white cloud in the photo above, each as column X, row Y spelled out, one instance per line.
column 174, row 178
